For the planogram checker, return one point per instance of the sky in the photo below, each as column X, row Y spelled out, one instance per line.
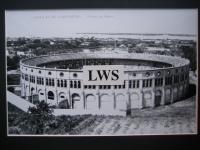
column 63, row 23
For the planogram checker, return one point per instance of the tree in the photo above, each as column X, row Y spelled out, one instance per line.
column 9, row 61
column 14, row 62
column 40, row 117
column 37, row 41
column 24, row 48
column 190, row 53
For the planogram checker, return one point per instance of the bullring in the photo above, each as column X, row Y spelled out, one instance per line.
column 149, row 80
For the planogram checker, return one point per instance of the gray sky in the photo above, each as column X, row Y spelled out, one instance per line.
column 48, row 23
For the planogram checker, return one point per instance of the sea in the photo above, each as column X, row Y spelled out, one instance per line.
column 134, row 36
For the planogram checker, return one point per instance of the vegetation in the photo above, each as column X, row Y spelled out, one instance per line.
column 40, row 120
column 13, row 79
column 179, row 117
column 13, row 63
column 40, row 117
column 190, row 53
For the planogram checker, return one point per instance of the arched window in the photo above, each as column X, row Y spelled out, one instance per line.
column 42, row 81
column 75, row 84
column 32, row 90
column 133, row 84
column 130, row 83
column 58, row 83
column 124, row 85
column 71, row 84
column 65, row 83
column 49, row 82
column 79, row 84
column 61, row 84
column 52, row 82
column 50, row 95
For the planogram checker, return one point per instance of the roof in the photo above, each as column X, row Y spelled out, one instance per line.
column 175, row 61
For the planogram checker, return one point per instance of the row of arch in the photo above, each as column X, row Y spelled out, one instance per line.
column 105, row 99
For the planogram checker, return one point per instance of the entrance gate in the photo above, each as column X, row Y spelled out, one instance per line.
column 158, row 98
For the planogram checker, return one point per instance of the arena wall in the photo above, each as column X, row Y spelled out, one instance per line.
column 143, row 88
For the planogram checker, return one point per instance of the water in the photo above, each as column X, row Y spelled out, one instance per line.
column 164, row 36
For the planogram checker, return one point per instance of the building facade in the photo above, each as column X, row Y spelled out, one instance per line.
column 149, row 81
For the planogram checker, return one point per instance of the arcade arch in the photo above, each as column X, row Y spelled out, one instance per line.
column 50, row 95
column 168, row 96
column 134, row 100
column 76, row 101
column 90, row 101
column 158, row 97
column 181, row 91
column 175, row 93
column 120, row 102
column 105, row 102
column 147, row 99
column 41, row 95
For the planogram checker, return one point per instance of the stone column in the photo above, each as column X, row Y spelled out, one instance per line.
column 68, row 84
column 184, row 90
column 29, row 90
column 127, row 100
column 98, row 99
column 56, row 91
column 83, row 101
column 46, row 94
column 82, row 86
column 153, row 92
column 172, row 94
column 113, row 99
column 172, row 79
column 141, row 94
column 141, row 99
column 153, row 97
column 69, row 99
column 97, row 87
column 140, row 86
column 163, row 96
column 127, row 85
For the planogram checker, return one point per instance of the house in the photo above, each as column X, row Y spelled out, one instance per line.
column 20, row 53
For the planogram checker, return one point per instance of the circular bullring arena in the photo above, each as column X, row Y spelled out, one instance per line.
column 149, row 80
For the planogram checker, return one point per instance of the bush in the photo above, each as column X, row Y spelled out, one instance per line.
column 40, row 117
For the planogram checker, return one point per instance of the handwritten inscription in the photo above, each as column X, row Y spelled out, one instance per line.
column 99, row 16
column 53, row 17
column 71, row 16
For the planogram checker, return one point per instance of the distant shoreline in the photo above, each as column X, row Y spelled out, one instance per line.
column 147, row 34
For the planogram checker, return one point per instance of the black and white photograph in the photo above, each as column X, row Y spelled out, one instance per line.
column 101, row 72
